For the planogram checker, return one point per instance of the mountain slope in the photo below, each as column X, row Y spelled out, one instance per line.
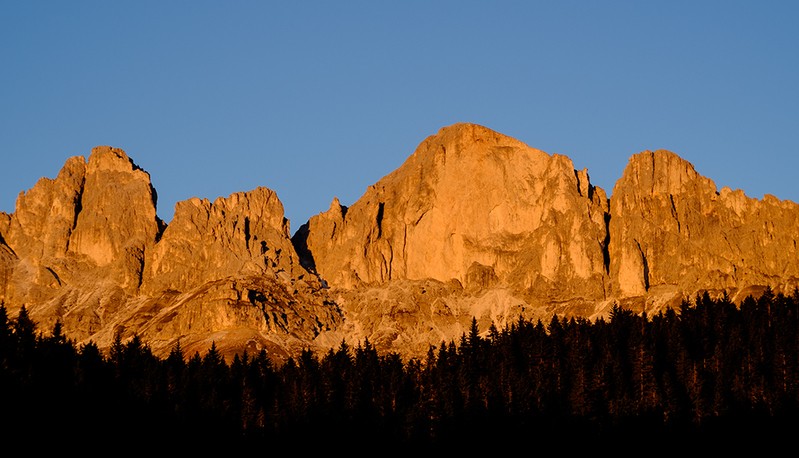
column 474, row 224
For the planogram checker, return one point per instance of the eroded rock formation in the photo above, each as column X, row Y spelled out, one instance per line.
column 489, row 216
column 88, row 249
column 474, row 224
column 674, row 234
column 474, row 206
column 243, row 234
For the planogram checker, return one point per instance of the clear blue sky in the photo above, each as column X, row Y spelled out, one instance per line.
column 322, row 99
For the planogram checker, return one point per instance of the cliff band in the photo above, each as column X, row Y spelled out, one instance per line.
column 474, row 224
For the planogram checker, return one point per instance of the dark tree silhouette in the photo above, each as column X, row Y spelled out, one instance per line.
column 706, row 372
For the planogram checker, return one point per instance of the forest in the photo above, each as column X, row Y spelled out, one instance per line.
column 710, row 373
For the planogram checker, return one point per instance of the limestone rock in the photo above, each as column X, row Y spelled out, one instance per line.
column 673, row 235
column 45, row 216
column 5, row 223
column 7, row 262
column 243, row 234
column 117, row 219
column 474, row 225
column 236, row 313
column 97, row 214
column 470, row 205
column 407, row 317
column 79, row 248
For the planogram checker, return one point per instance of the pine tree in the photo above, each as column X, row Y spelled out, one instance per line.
column 7, row 346
column 25, row 333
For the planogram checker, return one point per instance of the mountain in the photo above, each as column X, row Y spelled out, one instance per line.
column 673, row 233
column 88, row 249
column 474, row 224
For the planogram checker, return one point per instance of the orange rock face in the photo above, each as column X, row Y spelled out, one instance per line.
column 673, row 235
column 88, row 249
column 474, row 224
column 243, row 234
column 474, row 206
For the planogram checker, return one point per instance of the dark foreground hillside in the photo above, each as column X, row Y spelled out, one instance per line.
column 712, row 375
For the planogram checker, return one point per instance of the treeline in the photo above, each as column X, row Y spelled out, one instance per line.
column 709, row 371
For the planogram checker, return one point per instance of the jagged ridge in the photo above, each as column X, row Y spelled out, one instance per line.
column 473, row 224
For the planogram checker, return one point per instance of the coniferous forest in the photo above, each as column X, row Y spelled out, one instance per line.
column 711, row 373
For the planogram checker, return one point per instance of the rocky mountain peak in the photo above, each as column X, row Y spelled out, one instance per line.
column 465, row 136
column 113, row 159
column 662, row 172
column 672, row 234
column 94, row 210
column 469, row 200
column 46, row 214
column 117, row 211
column 474, row 224
column 245, row 233
column 93, row 222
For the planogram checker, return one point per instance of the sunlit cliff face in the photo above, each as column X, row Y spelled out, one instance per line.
column 473, row 224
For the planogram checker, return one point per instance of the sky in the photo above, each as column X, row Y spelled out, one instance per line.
column 321, row 99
